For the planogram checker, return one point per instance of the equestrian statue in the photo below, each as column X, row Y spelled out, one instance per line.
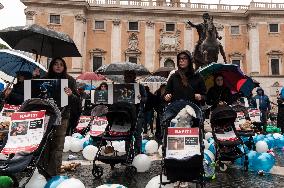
column 207, row 47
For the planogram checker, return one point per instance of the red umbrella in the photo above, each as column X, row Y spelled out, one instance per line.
column 91, row 76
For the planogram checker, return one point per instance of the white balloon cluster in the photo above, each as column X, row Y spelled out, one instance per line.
column 151, row 147
column 142, row 162
column 155, row 182
column 36, row 181
column 261, row 147
column 71, row 183
column 73, row 143
column 89, row 152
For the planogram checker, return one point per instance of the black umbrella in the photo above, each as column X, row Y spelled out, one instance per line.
column 155, row 79
column 163, row 71
column 119, row 68
column 39, row 40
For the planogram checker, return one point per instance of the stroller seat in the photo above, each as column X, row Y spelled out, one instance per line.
column 15, row 164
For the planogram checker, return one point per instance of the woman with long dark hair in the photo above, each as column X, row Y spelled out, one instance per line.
column 53, row 157
column 185, row 84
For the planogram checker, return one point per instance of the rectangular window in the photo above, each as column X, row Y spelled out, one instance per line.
column 133, row 59
column 235, row 30
column 275, row 67
column 54, row 19
column 97, row 62
column 99, row 25
column 236, row 62
column 273, row 28
column 170, row 27
column 133, row 26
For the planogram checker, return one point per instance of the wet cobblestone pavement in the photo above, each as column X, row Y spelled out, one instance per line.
column 234, row 177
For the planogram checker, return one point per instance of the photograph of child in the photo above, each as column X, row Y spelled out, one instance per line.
column 19, row 128
column 124, row 93
column 175, row 143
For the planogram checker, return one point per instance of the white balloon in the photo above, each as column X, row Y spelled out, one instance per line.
column 76, row 145
column 71, row 183
column 208, row 135
column 206, row 144
column 151, row 147
column 277, row 135
column 77, row 135
column 142, row 162
column 160, row 151
column 111, row 186
column 261, row 147
column 89, row 152
column 67, row 145
column 210, row 154
column 155, row 182
column 68, row 137
column 36, row 181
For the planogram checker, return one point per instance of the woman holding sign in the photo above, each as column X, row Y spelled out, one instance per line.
column 53, row 157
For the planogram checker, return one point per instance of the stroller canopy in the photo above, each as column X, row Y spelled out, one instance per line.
column 223, row 112
column 122, row 110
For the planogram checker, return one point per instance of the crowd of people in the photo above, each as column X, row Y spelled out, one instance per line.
column 184, row 84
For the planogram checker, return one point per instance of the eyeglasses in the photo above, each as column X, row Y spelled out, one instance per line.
column 183, row 58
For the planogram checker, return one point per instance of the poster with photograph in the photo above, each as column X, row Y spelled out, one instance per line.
column 83, row 122
column 7, row 111
column 182, row 142
column 126, row 93
column 101, row 96
column 240, row 120
column 25, row 132
column 254, row 115
column 98, row 126
column 52, row 89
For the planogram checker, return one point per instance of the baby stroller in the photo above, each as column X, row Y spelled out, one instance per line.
column 186, row 169
column 121, row 119
column 244, row 118
column 28, row 162
column 225, row 136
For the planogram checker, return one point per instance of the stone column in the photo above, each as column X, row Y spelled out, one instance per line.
column 78, row 37
column 150, row 46
column 30, row 17
column 188, row 38
column 254, row 49
column 116, row 42
column 220, row 29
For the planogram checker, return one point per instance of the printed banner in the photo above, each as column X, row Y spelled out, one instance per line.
column 254, row 115
column 52, row 89
column 83, row 122
column 98, row 126
column 7, row 112
column 25, row 132
column 240, row 120
column 182, row 142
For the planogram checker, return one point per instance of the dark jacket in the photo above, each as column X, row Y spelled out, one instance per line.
column 217, row 94
column 178, row 91
column 264, row 103
column 16, row 96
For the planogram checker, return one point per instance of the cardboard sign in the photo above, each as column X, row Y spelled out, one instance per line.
column 52, row 89
column 25, row 132
column 182, row 142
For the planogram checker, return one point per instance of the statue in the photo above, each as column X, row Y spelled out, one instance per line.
column 207, row 48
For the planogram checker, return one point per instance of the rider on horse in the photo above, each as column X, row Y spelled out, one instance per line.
column 201, row 28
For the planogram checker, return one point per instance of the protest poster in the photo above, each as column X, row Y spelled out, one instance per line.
column 25, row 132
column 182, row 142
column 7, row 111
column 99, row 125
column 254, row 115
column 126, row 93
column 100, row 96
column 83, row 122
column 240, row 120
column 52, row 89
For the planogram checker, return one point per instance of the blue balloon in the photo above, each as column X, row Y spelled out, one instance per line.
column 272, row 142
column 210, row 140
column 212, row 148
column 269, row 135
column 279, row 143
column 207, row 158
column 143, row 145
column 55, row 181
column 86, row 143
column 269, row 143
column 264, row 161
column 252, row 155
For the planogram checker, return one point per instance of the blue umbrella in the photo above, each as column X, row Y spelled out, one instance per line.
column 89, row 87
column 12, row 62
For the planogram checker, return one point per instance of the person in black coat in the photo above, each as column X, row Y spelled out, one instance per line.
column 219, row 93
column 52, row 159
column 16, row 95
column 185, row 84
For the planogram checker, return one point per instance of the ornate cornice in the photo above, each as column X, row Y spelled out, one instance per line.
column 80, row 17
column 116, row 22
column 236, row 55
column 30, row 15
column 275, row 52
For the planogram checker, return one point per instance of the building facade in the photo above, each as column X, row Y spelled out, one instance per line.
column 152, row 32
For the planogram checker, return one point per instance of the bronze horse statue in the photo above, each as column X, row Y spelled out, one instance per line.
column 207, row 52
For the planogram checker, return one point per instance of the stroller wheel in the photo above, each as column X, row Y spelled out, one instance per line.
column 97, row 172
column 223, row 167
column 130, row 171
